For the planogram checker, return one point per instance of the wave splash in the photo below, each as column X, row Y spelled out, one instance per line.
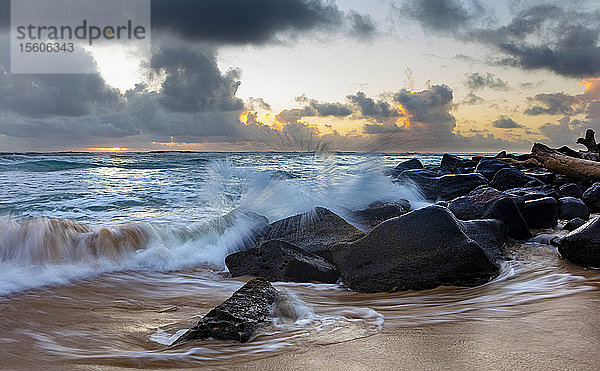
column 42, row 251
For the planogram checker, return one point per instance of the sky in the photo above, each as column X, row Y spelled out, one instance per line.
column 306, row 75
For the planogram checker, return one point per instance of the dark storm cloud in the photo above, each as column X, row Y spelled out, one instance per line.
column 370, row 108
column 550, row 36
column 444, row 15
column 251, row 22
column 313, row 108
column 429, row 106
column 478, row 81
column 556, row 103
column 194, row 82
column 381, row 128
column 361, row 25
column 52, row 95
column 428, row 111
column 563, row 132
column 505, row 122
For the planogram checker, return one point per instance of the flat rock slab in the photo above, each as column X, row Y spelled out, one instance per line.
column 281, row 261
column 238, row 318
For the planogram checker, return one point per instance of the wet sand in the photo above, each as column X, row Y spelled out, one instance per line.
column 544, row 316
column 560, row 334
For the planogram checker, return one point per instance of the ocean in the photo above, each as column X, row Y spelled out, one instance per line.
column 106, row 257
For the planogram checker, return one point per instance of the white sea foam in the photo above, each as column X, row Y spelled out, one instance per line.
column 164, row 338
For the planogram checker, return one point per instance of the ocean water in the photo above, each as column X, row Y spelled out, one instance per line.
column 59, row 213
column 105, row 258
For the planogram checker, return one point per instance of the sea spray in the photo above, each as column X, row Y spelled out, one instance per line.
column 207, row 210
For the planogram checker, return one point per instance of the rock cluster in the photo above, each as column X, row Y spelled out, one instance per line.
column 480, row 204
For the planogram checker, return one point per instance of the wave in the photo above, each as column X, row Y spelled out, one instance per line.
column 45, row 166
column 42, row 251
column 42, row 166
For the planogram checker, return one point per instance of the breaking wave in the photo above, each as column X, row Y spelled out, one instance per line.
column 42, row 251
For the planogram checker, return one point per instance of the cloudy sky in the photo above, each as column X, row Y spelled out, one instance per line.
column 347, row 75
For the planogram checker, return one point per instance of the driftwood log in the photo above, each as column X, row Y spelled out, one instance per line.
column 589, row 141
column 560, row 163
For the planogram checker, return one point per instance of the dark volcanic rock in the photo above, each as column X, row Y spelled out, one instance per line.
column 238, row 318
column 411, row 164
column 490, row 234
column 507, row 211
column 582, row 246
column 489, row 203
column 488, row 167
column 419, row 250
column 425, row 180
column 451, row 164
column 452, row 186
column 280, row 261
column 545, row 176
column 476, row 203
column 592, row 197
column 570, row 190
column 512, row 178
column 380, row 211
column 314, row 231
column 573, row 224
column 444, row 187
column 501, row 154
column 571, row 207
column 541, row 213
column 533, row 193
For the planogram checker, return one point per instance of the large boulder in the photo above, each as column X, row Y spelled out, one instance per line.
column 411, row 164
column 489, row 203
column 423, row 249
column 378, row 212
column 452, row 186
column 280, row 261
column 570, row 190
column 452, row 164
column 571, row 207
column 474, row 205
column 425, row 180
column 512, row 178
column 535, row 192
column 314, row 231
column 488, row 167
column 506, row 210
column 238, row 318
column 490, row 234
column 446, row 187
column 541, row 213
column 592, row 197
column 582, row 246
